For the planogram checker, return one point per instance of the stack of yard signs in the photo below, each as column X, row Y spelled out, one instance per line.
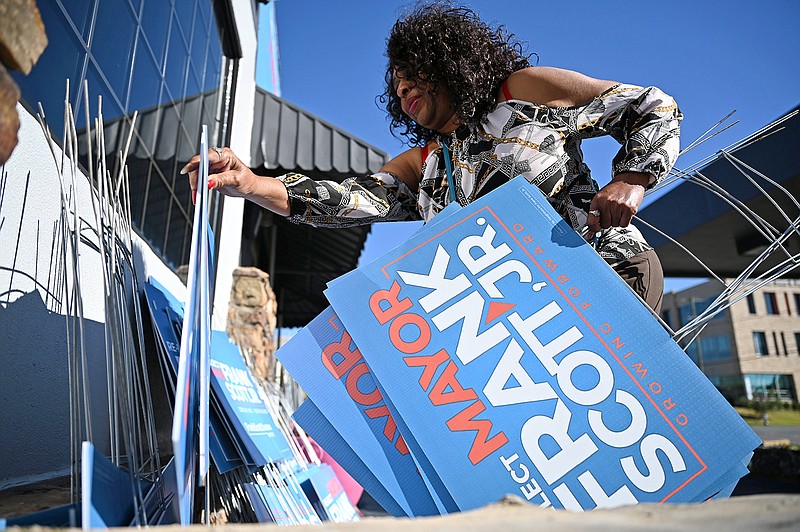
column 221, row 414
column 246, row 435
column 496, row 353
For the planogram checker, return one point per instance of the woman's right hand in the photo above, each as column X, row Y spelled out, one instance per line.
column 228, row 174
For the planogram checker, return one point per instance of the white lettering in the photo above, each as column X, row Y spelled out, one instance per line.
column 627, row 436
column 470, row 344
column 489, row 279
column 527, row 390
column 545, row 353
column 489, row 255
column 443, row 289
column 571, row 452
column 653, row 481
column 597, row 394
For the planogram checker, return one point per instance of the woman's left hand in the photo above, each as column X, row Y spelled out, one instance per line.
column 617, row 202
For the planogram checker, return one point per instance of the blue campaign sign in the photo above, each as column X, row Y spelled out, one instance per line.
column 323, row 359
column 167, row 315
column 327, row 495
column 190, row 419
column 309, row 417
column 107, row 492
column 521, row 363
column 235, row 386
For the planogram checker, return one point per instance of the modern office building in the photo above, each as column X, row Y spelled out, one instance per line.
column 752, row 349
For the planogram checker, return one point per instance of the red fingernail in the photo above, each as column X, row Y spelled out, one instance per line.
column 194, row 197
column 212, row 183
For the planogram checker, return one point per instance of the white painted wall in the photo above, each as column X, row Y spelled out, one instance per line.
column 34, row 379
column 230, row 237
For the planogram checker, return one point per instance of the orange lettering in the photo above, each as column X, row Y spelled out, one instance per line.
column 430, row 362
column 422, row 326
column 639, row 370
column 383, row 411
column 448, row 379
column 351, row 384
column 396, row 306
column 349, row 357
column 482, row 446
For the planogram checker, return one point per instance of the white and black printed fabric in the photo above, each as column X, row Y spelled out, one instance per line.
column 517, row 138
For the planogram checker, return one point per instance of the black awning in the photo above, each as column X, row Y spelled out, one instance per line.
column 289, row 139
column 712, row 229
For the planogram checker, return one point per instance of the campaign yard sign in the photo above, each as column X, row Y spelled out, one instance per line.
column 319, row 427
column 326, row 494
column 190, row 419
column 236, row 389
column 519, row 362
column 328, row 366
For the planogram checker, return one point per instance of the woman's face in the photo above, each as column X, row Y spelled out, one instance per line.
column 425, row 103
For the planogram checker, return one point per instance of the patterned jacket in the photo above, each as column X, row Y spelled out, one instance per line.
column 517, row 138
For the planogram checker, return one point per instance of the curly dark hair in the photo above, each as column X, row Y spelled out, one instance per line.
column 449, row 45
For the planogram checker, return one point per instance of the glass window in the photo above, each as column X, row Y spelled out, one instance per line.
column 198, row 43
column 175, row 67
column 797, row 303
column 760, row 343
column 685, row 314
column 694, row 307
column 155, row 23
column 751, row 304
column 211, row 78
column 771, row 303
column 783, row 344
column 138, row 171
column 715, row 348
column 177, row 232
column 79, row 11
column 139, row 60
column 666, row 315
column 62, row 59
column 156, row 210
column 770, row 387
column 113, row 43
column 184, row 12
column 112, row 105
column 145, row 89
column 797, row 343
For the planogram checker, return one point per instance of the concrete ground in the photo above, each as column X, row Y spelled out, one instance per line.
column 778, row 433
column 745, row 514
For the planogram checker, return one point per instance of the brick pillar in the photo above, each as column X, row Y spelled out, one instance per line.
column 252, row 318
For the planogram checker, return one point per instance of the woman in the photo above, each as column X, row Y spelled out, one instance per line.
column 465, row 96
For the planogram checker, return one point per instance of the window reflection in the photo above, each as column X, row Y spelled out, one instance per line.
column 156, row 208
column 155, row 24
column 138, row 172
column 184, row 12
column 146, row 82
column 213, row 64
column 113, row 43
column 177, row 225
column 172, row 79
column 62, row 59
column 175, row 65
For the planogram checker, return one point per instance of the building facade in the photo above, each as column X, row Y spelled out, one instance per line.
column 176, row 64
column 752, row 349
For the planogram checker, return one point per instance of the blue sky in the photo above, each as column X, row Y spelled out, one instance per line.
column 711, row 56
